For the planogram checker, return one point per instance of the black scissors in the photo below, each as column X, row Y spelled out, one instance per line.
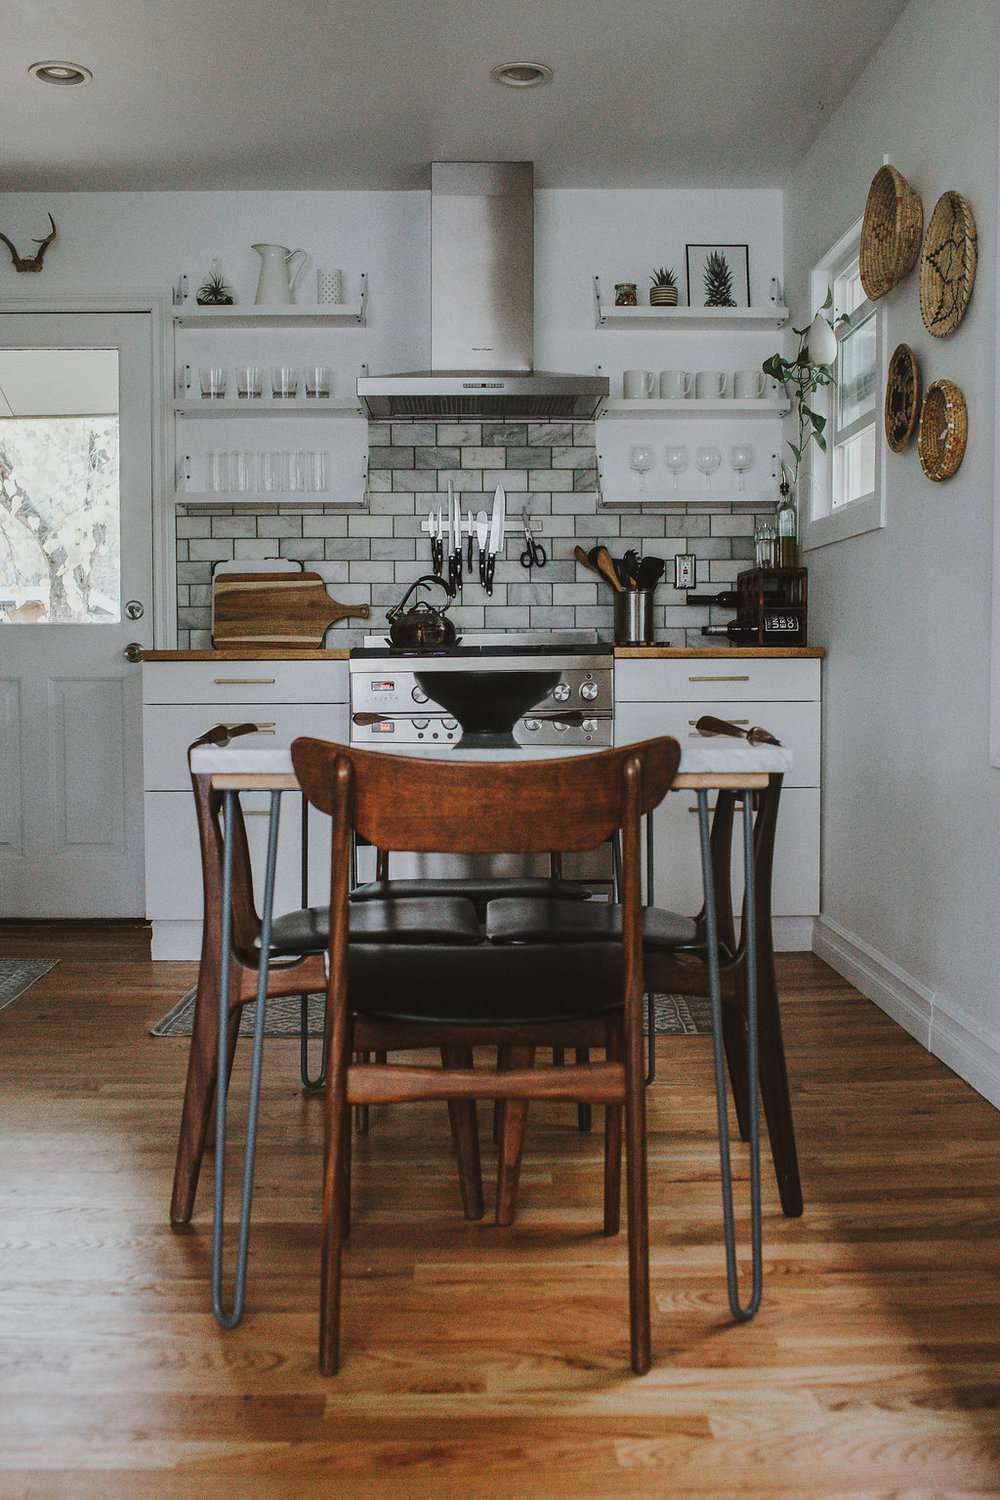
column 533, row 555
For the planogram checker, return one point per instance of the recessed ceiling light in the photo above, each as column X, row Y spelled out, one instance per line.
column 521, row 75
column 62, row 74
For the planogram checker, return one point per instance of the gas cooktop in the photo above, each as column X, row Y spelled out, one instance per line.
column 371, row 653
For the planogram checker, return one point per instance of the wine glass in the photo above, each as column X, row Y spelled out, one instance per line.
column 741, row 458
column 676, row 458
column 641, row 458
column 707, row 460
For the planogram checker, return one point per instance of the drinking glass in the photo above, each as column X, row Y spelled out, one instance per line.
column 707, row 460
column 243, row 471
column 676, row 458
column 765, row 543
column 284, row 383
column 273, row 476
column 318, row 470
column 298, row 471
column 249, row 382
column 217, row 471
column 213, row 383
column 641, row 458
column 317, row 381
column 741, row 458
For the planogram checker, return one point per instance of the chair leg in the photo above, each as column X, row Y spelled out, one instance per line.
column 499, row 1105
column 558, row 1057
column 338, row 1126
column 735, row 1038
column 362, row 1116
column 515, row 1114
column 584, row 1113
column 465, row 1134
column 345, row 1206
column 613, row 1141
column 199, row 1097
column 778, row 1108
column 638, row 1201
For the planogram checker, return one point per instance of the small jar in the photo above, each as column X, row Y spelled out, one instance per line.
column 626, row 294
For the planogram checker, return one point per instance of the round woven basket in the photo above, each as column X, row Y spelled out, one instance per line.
column 948, row 265
column 944, row 430
column 890, row 232
column 902, row 397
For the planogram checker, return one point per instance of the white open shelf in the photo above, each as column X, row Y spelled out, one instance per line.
column 724, row 495
column 296, row 315
column 717, row 319
column 766, row 406
column 320, row 406
column 259, row 498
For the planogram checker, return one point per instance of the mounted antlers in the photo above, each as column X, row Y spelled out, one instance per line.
column 31, row 262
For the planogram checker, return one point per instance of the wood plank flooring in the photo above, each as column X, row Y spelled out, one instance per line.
column 484, row 1362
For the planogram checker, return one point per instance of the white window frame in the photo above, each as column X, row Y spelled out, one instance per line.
column 821, row 523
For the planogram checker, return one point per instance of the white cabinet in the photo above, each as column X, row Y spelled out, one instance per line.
column 667, row 696
column 181, row 699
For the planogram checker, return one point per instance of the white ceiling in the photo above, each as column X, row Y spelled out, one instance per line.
column 364, row 93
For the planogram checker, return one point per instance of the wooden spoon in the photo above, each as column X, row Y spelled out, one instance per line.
column 608, row 571
column 583, row 558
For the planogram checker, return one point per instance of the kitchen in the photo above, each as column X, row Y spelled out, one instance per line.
column 878, row 824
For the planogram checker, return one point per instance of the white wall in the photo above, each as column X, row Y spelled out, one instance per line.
column 911, row 863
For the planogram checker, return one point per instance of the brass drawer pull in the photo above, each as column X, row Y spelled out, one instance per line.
column 259, row 812
column 732, row 721
column 268, row 727
column 694, row 810
column 244, row 681
column 744, row 678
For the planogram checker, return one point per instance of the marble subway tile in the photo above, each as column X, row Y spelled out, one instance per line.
column 414, row 434
column 504, row 434
column 390, row 457
column 463, row 434
column 438, row 457
column 550, row 434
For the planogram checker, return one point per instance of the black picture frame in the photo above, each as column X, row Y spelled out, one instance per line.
column 737, row 259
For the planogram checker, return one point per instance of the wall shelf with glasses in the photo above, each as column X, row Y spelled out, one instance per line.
column 767, row 315
column 320, row 406
column 766, row 406
column 266, row 500
column 680, row 499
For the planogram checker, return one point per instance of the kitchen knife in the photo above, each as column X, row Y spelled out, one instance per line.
column 454, row 545
column 456, row 505
column 496, row 535
column 482, row 534
column 437, row 543
column 468, row 555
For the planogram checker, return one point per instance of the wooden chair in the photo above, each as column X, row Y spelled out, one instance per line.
column 511, row 996
column 299, row 946
column 674, row 956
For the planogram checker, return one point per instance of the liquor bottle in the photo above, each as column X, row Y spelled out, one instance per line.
column 788, row 530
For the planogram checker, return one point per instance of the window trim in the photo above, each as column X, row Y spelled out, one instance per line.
column 820, row 527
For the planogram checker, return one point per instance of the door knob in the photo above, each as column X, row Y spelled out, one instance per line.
column 133, row 651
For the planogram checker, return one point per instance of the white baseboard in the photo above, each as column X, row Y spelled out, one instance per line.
column 176, row 940
column 936, row 1021
column 792, row 934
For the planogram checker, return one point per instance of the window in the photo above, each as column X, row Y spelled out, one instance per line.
column 843, row 493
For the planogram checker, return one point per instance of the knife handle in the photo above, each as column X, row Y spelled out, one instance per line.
column 491, row 562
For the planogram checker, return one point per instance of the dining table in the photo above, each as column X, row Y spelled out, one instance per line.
column 708, row 763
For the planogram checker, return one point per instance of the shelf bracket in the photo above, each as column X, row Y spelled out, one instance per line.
column 597, row 302
column 362, row 310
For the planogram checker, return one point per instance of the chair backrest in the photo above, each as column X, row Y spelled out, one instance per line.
column 486, row 807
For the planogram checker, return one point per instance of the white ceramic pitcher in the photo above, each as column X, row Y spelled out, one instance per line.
column 277, row 283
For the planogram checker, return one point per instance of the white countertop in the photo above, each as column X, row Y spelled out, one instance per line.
column 700, row 754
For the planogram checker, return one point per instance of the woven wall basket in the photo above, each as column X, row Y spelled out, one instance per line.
column 944, row 430
column 890, row 233
column 902, row 397
column 948, row 265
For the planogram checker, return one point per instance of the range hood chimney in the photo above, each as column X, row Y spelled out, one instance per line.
column 482, row 311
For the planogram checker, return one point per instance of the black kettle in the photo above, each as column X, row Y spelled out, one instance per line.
column 425, row 625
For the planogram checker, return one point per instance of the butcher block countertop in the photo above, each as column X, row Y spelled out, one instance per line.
column 623, row 653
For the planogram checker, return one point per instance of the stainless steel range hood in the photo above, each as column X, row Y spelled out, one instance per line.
column 482, row 310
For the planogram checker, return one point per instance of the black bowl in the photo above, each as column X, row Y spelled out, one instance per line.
column 487, row 704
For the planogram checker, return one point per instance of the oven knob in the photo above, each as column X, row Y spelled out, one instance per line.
column 558, row 727
column 421, row 723
column 532, row 725
column 450, row 723
column 589, row 726
column 561, row 692
column 589, row 690
column 418, row 695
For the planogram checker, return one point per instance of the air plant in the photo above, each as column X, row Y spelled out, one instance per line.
column 213, row 291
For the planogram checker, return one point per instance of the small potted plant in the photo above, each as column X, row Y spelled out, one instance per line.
column 663, row 292
column 213, row 291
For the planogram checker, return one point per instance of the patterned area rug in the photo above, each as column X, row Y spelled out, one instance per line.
column 676, row 1015
column 19, row 974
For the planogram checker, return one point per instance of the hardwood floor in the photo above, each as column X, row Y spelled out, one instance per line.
column 486, row 1362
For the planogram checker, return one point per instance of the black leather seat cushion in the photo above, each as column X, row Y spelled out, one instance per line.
column 479, row 891
column 448, row 923
column 486, row 984
column 553, row 922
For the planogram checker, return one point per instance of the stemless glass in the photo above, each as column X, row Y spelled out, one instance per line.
column 318, row 468
column 213, row 383
column 249, row 382
column 272, row 473
column 284, row 383
column 641, row 458
column 676, row 458
column 741, row 458
column 707, row 460
column 217, row 471
column 317, row 381
column 243, row 470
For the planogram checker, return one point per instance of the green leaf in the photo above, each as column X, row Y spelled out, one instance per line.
column 821, row 441
column 829, row 299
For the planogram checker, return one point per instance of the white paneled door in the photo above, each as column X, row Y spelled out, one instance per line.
column 75, row 591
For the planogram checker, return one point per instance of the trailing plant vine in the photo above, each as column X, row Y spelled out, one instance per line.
column 802, row 378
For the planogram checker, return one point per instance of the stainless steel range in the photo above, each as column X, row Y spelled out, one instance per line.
column 562, row 686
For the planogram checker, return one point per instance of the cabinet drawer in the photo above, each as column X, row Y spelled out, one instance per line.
column 244, row 681
column 714, row 680
column 173, row 863
column 677, row 870
column 168, row 729
column 794, row 724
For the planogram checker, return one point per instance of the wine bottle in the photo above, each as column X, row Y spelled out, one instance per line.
column 727, row 597
column 735, row 631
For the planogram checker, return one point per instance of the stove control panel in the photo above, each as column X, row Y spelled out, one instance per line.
column 397, row 691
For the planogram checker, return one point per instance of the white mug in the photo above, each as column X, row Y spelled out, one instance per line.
column 676, row 384
column 638, row 385
column 711, row 385
column 749, row 385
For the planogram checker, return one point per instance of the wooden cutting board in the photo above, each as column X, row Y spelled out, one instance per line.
column 275, row 609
